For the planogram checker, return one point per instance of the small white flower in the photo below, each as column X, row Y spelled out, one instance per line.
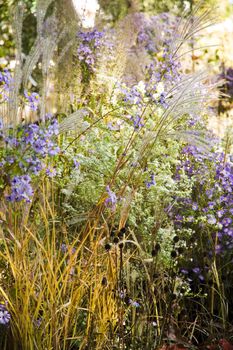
column 141, row 87
column 160, row 87
column 155, row 96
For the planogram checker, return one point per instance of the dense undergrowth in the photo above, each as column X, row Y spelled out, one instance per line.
column 116, row 212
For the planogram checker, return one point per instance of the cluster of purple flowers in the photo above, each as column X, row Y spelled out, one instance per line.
column 5, row 85
column 193, row 273
column 191, row 156
column 167, row 70
column 41, row 139
column 169, row 66
column 209, row 209
column 154, row 30
column 21, row 189
column 131, row 96
column 32, row 99
column 160, row 46
column 90, row 43
column 130, row 302
column 23, row 155
column 139, row 96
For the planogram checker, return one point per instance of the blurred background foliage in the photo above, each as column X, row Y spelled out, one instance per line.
column 217, row 55
column 113, row 9
column 6, row 35
column 119, row 8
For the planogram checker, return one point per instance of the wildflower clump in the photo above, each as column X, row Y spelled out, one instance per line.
column 125, row 212
column 207, row 213
column 24, row 154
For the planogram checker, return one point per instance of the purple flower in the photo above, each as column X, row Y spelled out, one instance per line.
column 53, row 128
column 4, row 315
column 230, row 232
column 211, row 205
column 190, row 218
column 226, row 221
column 114, row 126
column 35, row 165
column 53, row 151
column 65, row 249
column 195, row 206
column 152, row 181
column 39, row 146
column 41, row 138
column 30, row 133
column 196, row 270
column 231, row 211
column 201, row 277
column 220, row 213
column 179, row 217
column 223, row 199
column 50, row 172
column 38, row 322
column 137, row 122
column 10, row 159
column 134, row 303
column 112, row 198
column 76, row 163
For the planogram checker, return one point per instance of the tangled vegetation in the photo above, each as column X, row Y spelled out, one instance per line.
column 116, row 205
